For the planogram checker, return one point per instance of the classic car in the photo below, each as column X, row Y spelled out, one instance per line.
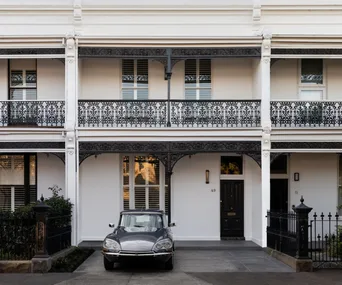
column 140, row 234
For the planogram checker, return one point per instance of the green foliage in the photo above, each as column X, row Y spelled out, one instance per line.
column 335, row 243
column 18, row 228
column 72, row 261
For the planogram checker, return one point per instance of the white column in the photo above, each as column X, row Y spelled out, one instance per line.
column 71, row 173
column 266, row 134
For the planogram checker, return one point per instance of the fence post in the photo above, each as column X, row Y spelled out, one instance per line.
column 41, row 262
column 302, row 227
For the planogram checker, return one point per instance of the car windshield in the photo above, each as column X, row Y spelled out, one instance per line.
column 141, row 222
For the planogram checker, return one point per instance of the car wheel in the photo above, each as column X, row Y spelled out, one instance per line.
column 108, row 265
column 169, row 264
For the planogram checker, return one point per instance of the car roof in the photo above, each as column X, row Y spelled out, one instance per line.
column 143, row 211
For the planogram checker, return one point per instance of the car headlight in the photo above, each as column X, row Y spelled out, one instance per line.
column 111, row 244
column 164, row 244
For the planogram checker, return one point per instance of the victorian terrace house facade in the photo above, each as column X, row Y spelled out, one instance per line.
column 214, row 112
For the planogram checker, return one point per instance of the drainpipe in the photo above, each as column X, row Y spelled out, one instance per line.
column 168, row 77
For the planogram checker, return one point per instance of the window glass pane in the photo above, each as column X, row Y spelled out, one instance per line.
column 19, row 196
column 17, row 78
column 126, row 198
column 5, row 197
column 31, row 78
column 146, row 171
column 31, row 94
column 190, row 73
column 153, row 198
column 205, row 72
column 11, row 170
column 127, row 94
column 125, row 170
column 142, row 94
column 312, row 71
column 127, row 72
column 32, row 170
column 140, row 197
column 190, row 94
column 231, row 165
column 142, row 72
column 279, row 165
column 16, row 94
column 204, row 94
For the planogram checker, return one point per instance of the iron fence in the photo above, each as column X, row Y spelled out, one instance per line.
column 281, row 232
column 58, row 233
column 17, row 236
column 306, row 113
column 32, row 112
column 325, row 240
column 155, row 113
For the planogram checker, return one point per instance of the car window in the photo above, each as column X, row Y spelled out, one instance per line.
column 141, row 222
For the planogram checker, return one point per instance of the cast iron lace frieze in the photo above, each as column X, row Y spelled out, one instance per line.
column 184, row 113
column 38, row 113
column 306, row 114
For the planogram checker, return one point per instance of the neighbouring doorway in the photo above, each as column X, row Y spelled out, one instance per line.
column 279, row 202
column 279, row 195
column 232, row 202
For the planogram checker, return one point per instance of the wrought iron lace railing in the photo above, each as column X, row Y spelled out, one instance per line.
column 32, row 113
column 154, row 113
column 306, row 113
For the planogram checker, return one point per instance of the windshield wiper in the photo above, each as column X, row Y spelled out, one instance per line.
column 138, row 226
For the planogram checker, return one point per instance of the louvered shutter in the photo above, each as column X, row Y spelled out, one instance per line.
column 142, row 79
column 128, row 79
column 153, row 198
column 140, row 197
column 190, row 79
column 205, row 79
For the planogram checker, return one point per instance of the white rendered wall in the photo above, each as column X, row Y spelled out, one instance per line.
column 50, row 79
column 195, row 208
column 100, row 79
column 284, row 79
column 256, row 71
column 232, row 79
column 50, row 172
column 100, row 195
column 318, row 181
column 3, row 79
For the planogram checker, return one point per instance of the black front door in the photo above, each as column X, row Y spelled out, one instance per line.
column 232, row 208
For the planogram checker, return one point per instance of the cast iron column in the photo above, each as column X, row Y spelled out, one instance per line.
column 302, row 228
column 169, row 174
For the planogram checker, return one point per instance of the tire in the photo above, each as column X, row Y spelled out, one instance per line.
column 169, row 264
column 108, row 265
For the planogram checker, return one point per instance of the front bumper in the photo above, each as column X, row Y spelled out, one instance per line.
column 121, row 256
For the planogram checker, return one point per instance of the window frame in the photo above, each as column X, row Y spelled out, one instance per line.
column 312, row 86
column 131, row 184
column 135, row 86
column 24, row 87
column 233, row 176
column 198, row 83
column 27, row 178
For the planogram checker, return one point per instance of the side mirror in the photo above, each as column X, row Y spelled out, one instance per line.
column 111, row 225
column 172, row 224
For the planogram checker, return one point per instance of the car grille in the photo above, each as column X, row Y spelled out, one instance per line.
column 134, row 252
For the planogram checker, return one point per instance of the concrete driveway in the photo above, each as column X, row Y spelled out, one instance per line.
column 200, row 261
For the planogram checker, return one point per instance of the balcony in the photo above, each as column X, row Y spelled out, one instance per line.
column 33, row 113
column 156, row 114
column 306, row 114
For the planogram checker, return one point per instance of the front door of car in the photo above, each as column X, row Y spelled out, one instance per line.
column 232, row 199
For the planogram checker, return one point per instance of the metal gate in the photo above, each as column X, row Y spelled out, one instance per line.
column 325, row 241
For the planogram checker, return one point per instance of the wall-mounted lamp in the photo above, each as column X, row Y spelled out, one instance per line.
column 207, row 176
column 296, row 176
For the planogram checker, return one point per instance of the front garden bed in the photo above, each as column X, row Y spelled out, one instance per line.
column 72, row 261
